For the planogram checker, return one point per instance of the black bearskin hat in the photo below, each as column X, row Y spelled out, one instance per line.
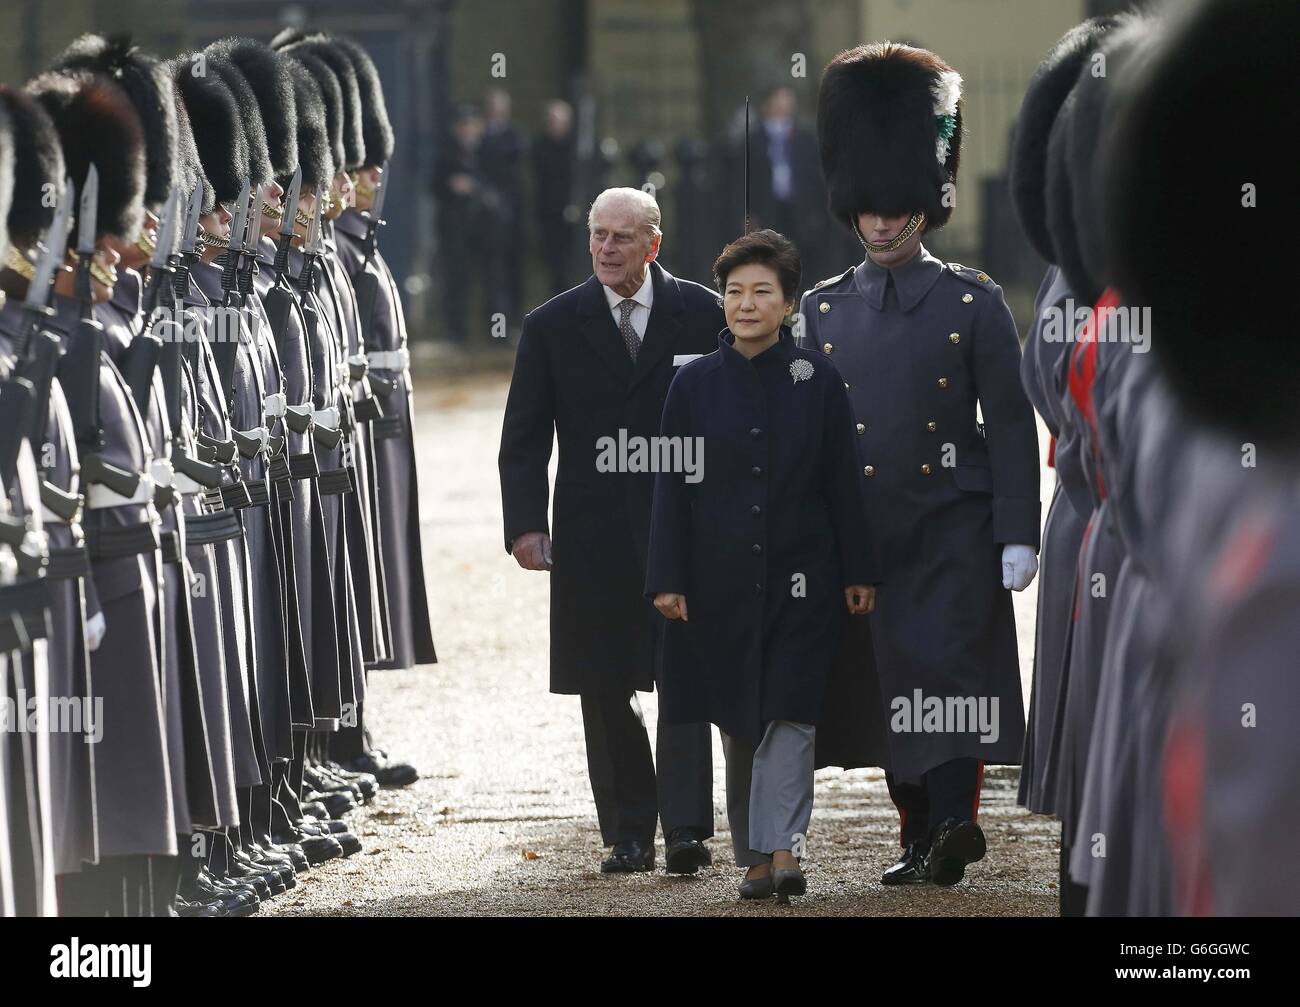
column 189, row 167
column 315, row 149
column 375, row 126
column 1218, row 73
column 331, row 95
column 216, row 125
column 250, row 116
column 97, row 124
column 889, row 126
column 37, row 163
column 1047, row 91
column 267, row 73
column 1070, row 193
column 145, row 81
column 6, row 177
column 324, row 49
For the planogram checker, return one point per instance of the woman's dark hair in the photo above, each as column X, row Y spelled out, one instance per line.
column 765, row 248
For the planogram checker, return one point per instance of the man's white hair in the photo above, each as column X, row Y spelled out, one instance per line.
column 647, row 208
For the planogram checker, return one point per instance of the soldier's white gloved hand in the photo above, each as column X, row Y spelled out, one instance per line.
column 96, row 627
column 1019, row 564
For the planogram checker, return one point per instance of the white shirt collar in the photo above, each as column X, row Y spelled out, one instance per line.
column 644, row 297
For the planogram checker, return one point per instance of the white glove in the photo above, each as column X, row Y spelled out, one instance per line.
column 96, row 627
column 1019, row 564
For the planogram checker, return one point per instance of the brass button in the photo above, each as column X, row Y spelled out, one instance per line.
column 968, row 298
column 925, row 469
column 862, row 428
column 943, row 382
column 823, row 307
column 869, row 470
column 954, row 338
column 827, row 347
column 932, row 426
column 982, row 277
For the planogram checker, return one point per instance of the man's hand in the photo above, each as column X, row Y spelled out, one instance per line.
column 861, row 598
column 1019, row 564
column 532, row 550
column 672, row 606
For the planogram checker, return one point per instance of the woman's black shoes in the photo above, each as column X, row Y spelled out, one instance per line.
column 956, row 843
column 757, row 888
column 910, row 869
column 789, row 881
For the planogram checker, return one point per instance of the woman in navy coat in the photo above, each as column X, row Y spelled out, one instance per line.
column 753, row 549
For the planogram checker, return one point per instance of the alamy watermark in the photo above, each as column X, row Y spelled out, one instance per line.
column 1127, row 324
column 24, row 714
column 651, row 454
column 920, row 714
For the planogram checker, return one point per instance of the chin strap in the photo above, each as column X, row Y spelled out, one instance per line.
column 898, row 240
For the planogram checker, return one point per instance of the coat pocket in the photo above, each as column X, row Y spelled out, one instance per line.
column 973, row 478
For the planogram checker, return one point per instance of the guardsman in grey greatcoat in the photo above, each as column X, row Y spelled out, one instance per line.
column 952, row 502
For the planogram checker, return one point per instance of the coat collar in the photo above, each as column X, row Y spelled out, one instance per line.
column 912, row 280
column 599, row 329
column 352, row 223
column 778, row 354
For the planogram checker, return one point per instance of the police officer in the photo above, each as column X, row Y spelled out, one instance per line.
column 952, row 503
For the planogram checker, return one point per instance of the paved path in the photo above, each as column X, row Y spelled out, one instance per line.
column 503, row 822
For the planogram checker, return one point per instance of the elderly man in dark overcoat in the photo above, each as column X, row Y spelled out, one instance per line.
column 593, row 367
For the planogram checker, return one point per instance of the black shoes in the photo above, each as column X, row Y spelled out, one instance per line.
column 910, row 869
column 685, row 853
column 628, row 857
column 386, row 773
column 757, row 888
column 956, row 843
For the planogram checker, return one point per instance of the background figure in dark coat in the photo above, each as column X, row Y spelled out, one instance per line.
column 465, row 214
column 501, row 157
column 578, row 375
column 554, row 156
column 952, row 503
column 756, row 543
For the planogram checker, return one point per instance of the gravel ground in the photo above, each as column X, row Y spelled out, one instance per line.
column 502, row 821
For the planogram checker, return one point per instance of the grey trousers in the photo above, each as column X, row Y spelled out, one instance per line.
column 770, row 791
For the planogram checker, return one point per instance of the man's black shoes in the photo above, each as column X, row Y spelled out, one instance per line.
column 956, row 843
column 686, row 852
column 910, row 869
column 628, row 857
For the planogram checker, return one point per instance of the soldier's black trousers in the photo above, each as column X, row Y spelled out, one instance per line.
column 949, row 790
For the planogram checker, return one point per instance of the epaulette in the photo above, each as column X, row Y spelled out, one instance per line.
column 971, row 276
column 834, row 279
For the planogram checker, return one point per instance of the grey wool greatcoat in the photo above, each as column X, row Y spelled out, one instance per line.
column 762, row 538
column 574, row 379
column 397, row 506
column 918, row 347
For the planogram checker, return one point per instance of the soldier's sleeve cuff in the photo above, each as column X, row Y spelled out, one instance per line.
column 1017, row 521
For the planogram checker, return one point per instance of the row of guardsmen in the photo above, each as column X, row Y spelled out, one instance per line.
column 1162, row 730
column 210, row 511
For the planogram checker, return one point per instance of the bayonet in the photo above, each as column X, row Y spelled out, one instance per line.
column 86, row 236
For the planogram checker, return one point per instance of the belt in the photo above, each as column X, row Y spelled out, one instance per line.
column 258, row 493
column 24, row 608
column 334, row 482
column 389, row 360
column 208, row 529
column 99, row 496
column 67, row 563
column 303, row 466
column 386, row 428
column 169, row 544
column 113, row 543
